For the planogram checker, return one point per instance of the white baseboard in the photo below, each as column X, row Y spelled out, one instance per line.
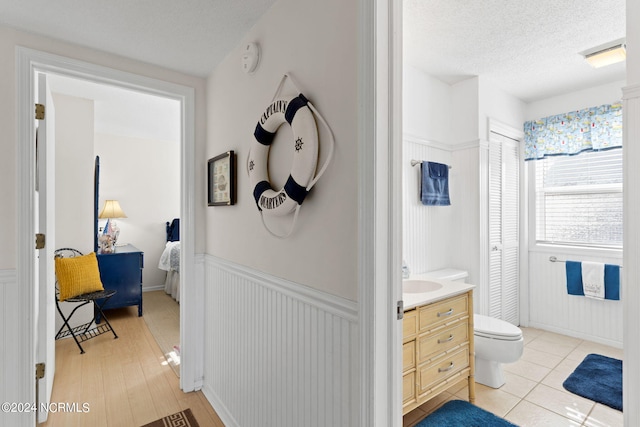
column 575, row 334
column 152, row 288
column 222, row 411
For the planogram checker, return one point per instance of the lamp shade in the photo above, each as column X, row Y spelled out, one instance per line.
column 111, row 209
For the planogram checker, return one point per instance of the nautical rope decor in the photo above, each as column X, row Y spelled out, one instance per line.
column 300, row 114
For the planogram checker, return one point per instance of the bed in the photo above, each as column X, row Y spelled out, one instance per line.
column 170, row 260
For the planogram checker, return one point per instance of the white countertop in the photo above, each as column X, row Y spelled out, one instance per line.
column 449, row 289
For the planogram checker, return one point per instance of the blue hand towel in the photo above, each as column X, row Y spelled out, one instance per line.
column 611, row 280
column 574, row 278
column 434, row 189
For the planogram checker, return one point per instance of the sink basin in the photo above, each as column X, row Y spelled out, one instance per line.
column 419, row 286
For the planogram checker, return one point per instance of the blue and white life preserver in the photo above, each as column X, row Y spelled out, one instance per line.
column 297, row 113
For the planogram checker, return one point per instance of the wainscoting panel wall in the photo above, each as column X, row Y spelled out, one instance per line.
column 9, row 333
column 426, row 234
column 277, row 353
column 551, row 308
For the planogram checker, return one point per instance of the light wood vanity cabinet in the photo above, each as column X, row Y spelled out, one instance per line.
column 437, row 349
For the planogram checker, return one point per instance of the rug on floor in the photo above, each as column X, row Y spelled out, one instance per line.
column 598, row 378
column 458, row 413
column 180, row 419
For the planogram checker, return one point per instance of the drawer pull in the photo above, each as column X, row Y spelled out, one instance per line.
column 448, row 368
column 446, row 313
column 447, row 340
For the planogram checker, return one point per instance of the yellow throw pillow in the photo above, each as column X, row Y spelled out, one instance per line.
column 78, row 275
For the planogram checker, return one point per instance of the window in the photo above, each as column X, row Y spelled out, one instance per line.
column 579, row 199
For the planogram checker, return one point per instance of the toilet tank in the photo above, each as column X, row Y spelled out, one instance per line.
column 452, row 274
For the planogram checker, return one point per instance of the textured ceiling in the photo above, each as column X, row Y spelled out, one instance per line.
column 528, row 48
column 190, row 36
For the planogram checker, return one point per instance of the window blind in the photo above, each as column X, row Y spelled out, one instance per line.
column 579, row 199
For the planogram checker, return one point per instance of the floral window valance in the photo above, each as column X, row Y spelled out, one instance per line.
column 591, row 129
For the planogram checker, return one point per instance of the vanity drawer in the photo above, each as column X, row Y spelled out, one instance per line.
column 409, row 324
column 432, row 345
column 439, row 313
column 408, row 388
column 408, row 355
column 431, row 374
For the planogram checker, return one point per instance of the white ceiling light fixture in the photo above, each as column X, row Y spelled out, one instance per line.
column 607, row 54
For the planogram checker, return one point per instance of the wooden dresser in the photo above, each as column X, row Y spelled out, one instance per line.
column 437, row 349
column 122, row 271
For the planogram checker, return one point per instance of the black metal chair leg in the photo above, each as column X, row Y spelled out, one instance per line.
column 66, row 323
column 99, row 308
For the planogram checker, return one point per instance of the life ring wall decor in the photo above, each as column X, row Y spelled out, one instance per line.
column 300, row 114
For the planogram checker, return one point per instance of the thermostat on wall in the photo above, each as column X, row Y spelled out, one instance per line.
column 250, row 57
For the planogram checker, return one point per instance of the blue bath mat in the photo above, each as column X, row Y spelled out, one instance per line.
column 598, row 378
column 458, row 413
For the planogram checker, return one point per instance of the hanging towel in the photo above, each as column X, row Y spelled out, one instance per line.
column 574, row 278
column 434, row 188
column 593, row 279
column 612, row 282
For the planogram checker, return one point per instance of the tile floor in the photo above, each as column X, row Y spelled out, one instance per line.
column 533, row 395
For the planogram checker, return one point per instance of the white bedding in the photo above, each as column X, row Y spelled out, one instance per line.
column 170, row 262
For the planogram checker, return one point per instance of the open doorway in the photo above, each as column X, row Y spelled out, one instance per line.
column 468, row 78
column 136, row 137
column 30, row 64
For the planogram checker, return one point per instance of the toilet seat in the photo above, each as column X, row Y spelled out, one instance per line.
column 497, row 329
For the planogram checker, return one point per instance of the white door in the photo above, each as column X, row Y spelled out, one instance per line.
column 45, row 224
column 504, row 236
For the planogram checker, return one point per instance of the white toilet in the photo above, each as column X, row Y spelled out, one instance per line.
column 496, row 341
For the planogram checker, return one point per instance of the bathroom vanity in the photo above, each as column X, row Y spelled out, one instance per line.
column 438, row 349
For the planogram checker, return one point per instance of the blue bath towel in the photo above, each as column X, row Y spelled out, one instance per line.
column 611, row 280
column 434, row 188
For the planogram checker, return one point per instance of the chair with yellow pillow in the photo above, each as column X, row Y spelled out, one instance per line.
column 78, row 281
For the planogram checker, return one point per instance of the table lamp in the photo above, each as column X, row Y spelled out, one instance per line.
column 111, row 210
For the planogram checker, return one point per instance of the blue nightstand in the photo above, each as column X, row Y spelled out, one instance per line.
column 122, row 271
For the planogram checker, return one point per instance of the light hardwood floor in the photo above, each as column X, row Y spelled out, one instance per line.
column 162, row 316
column 125, row 381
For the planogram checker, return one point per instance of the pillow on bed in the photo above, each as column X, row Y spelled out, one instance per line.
column 78, row 275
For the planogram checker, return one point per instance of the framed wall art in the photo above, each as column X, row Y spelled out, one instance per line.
column 221, row 177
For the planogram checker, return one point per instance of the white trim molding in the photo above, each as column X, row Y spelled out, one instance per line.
column 631, row 270
column 481, row 301
column 440, row 145
column 379, row 213
column 631, row 92
column 30, row 62
column 278, row 353
column 503, row 129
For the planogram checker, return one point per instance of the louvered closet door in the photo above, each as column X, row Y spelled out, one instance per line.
column 504, row 239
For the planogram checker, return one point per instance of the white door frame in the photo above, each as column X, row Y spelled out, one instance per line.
column 28, row 63
column 45, row 270
column 380, row 211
